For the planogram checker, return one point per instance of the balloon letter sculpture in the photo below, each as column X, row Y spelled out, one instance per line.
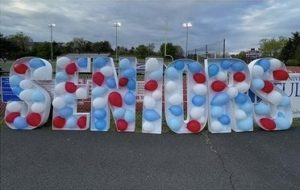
column 33, row 110
column 273, row 112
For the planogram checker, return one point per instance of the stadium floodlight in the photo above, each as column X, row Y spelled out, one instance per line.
column 51, row 26
column 187, row 25
column 116, row 25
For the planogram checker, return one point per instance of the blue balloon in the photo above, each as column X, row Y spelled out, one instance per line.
column 258, row 84
column 172, row 73
column 36, row 63
column 99, row 91
column 213, row 70
column 131, row 85
column 71, row 122
column 100, row 62
column 226, row 64
column 156, row 75
column 176, row 110
column 280, row 114
column 286, row 101
column 111, row 82
column 220, row 99
column 238, row 66
column 264, row 63
column 174, row 124
column 118, row 113
column 100, row 113
column 241, row 98
column 15, row 80
column 37, row 96
column 247, row 107
column 245, row 124
column 216, row 111
column 198, row 100
column 179, row 65
column 69, row 98
column 224, row 119
column 100, row 125
column 262, row 109
column 151, row 115
column 16, row 90
column 125, row 63
column 194, row 67
column 65, row 112
column 82, row 62
column 282, row 123
column 61, row 76
column 129, row 98
column 129, row 116
column 129, row 73
column 20, row 122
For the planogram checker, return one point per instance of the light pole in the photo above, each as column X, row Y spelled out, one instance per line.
column 187, row 25
column 117, row 24
column 51, row 26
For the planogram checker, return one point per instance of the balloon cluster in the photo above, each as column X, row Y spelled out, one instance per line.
column 33, row 110
column 66, row 93
column 273, row 112
column 230, row 107
column 196, row 96
column 152, row 102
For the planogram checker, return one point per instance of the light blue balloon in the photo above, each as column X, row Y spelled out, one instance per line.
column 264, row 63
column 238, row 66
column 213, row 70
column 15, row 80
column 100, row 113
column 220, row 99
column 156, row 75
column 99, row 91
column 82, row 62
column 224, row 119
column 118, row 113
column 262, row 109
column 258, row 84
column 65, row 112
column 151, row 115
column 174, row 124
column 71, row 122
column 282, row 123
column 198, row 100
column 194, row 67
column 247, row 107
column 129, row 116
column 241, row 98
column 100, row 62
column 110, row 82
column 280, row 114
column 129, row 98
column 16, row 90
column 176, row 110
column 37, row 96
column 131, row 85
column 226, row 64
column 100, row 124
column 129, row 73
column 216, row 111
column 69, row 98
column 245, row 124
column 125, row 63
column 286, row 101
column 36, row 63
column 172, row 73
column 179, row 65
column 20, row 122
column 61, row 76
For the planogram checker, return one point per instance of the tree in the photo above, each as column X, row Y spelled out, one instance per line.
column 241, row 55
column 291, row 51
column 142, row 51
column 272, row 47
column 175, row 51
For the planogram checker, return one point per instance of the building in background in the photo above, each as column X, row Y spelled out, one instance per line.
column 252, row 54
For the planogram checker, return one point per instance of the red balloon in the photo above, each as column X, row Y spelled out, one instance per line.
column 70, row 87
column 115, row 99
column 218, row 86
column 71, row 68
column 59, row 122
column 11, row 117
column 122, row 125
column 151, row 85
column 98, row 78
column 280, row 75
column 81, row 122
column 34, row 119
column 123, row 81
column 239, row 76
column 193, row 126
column 199, row 78
column 268, row 87
column 268, row 124
column 20, row 68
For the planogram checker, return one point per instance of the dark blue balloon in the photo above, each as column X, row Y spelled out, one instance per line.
column 82, row 62
column 241, row 98
column 65, row 112
column 100, row 124
column 224, row 119
column 131, row 85
column 16, row 90
column 179, row 65
column 111, row 83
column 226, row 64
column 238, row 66
column 194, row 67
column 129, row 98
column 36, row 63
column 213, row 69
column 20, row 122
column 264, row 63
column 100, row 113
column 100, row 62
column 151, row 115
column 176, row 110
column 198, row 100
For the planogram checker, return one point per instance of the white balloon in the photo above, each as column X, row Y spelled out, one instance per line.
column 42, row 73
column 202, row 119
column 243, row 86
column 196, row 112
column 222, row 76
column 275, row 97
column 240, row 114
column 60, row 88
column 149, row 102
column 232, row 92
column 157, row 94
column 216, row 126
column 62, row 62
column 26, row 84
column 81, row 93
column 58, row 103
column 275, row 64
column 14, row 106
column 38, row 107
column 171, row 86
column 152, row 64
column 107, row 71
column 175, row 99
column 26, row 94
column 148, row 127
column 99, row 102
column 257, row 71
column 200, row 89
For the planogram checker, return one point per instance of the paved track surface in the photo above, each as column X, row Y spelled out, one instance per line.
column 45, row 159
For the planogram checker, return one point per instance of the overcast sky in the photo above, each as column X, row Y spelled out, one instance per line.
column 241, row 23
